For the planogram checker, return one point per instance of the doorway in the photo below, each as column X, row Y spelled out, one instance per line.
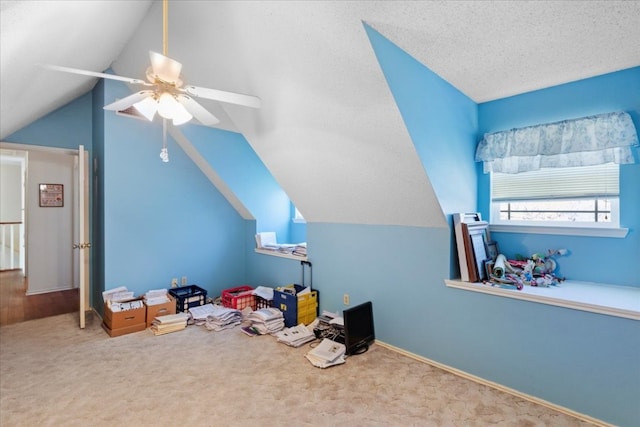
column 12, row 185
column 45, row 281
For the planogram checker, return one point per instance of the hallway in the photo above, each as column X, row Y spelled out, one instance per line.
column 16, row 307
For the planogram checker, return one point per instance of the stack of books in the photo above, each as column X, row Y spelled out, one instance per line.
column 295, row 336
column 266, row 320
column 170, row 323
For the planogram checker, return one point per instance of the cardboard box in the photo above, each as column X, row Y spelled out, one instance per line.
column 156, row 310
column 126, row 330
column 124, row 322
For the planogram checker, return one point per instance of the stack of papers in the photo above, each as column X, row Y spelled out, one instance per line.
column 300, row 249
column 170, row 323
column 295, row 336
column 266, row 320
column 157, row 296
column 215, row 317
column 120, row 293
column 327, row 353
column 263, row 292
column 266, row 240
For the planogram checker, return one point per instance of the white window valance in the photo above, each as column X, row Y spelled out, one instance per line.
column 594, row 140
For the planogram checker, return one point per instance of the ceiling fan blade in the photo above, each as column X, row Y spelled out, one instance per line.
column 222, row 96
column 124, row 103
column 198, row 111
column 94, row 74
column 166, row 69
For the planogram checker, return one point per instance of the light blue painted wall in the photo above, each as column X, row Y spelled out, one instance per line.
column 607, row 260
column 97, row 219
column 67, row 127
column 163, row 220
column 441, row 120
column 231, row 156
column 583, row 361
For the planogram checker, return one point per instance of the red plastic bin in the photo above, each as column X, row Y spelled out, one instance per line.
column 239, row 298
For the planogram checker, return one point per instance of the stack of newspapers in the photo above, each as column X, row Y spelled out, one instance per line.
column 327, row 353
column 215, row 317
column 295, row 336
column 266, row 320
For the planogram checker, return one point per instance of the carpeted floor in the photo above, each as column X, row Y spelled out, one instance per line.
column 54, row 374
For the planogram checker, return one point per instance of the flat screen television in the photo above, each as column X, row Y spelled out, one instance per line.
column 358, row 328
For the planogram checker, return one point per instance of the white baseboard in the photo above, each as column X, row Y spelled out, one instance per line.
column 496, row 386
column 46, row 291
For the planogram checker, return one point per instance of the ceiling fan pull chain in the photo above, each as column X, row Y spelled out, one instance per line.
column 164, row 154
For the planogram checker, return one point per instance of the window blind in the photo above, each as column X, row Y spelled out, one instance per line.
column 557, row 183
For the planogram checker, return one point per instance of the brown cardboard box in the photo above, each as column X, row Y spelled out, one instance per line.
column 124, row 322
column 160, row 310
column 122, row 331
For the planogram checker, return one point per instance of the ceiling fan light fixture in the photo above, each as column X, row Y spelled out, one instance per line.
column 167, row 105
column 165, row 69
column 181, row 116
column 147, row 107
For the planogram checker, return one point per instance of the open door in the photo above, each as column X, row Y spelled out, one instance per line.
column 83, row 219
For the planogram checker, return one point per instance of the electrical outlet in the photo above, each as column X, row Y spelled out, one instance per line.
column 174, row 282
column 184, row 280
column 345, row 299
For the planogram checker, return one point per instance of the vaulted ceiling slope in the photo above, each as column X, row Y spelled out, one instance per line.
column 81, row 34
column 329, row 130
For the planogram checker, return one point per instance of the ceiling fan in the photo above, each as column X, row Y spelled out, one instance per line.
column 165, row 92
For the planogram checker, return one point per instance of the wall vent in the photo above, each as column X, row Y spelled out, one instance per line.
column 131, row 112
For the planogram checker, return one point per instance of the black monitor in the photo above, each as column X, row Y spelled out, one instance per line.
column 358, row 328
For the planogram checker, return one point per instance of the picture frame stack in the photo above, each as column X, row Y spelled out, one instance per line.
column 472, row 238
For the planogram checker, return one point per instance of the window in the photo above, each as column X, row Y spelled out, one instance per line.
column 585, row 196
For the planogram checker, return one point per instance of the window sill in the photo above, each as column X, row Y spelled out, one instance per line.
column 280, row 254
column 619, row 301
column 563, row 231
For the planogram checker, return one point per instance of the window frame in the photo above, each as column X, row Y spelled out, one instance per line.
column 592, row 229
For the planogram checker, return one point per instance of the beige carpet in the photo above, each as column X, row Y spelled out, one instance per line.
column 54, row 374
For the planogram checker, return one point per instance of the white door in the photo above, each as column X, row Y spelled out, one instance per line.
column 83, row 221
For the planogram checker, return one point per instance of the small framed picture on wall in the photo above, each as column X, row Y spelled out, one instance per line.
column 51, row 195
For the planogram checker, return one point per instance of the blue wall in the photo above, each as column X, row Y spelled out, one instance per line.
column 233, row 159
column 163, row 220
column 588, row 257
column 97, row 201
column 441, row 120
column 68, row 127
column 442, row 123
column 583, row 361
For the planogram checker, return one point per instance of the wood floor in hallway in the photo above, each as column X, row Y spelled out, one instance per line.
column 17, row 307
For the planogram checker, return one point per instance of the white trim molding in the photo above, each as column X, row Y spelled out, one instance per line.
column 619, row 301
column 563, row 231
column 280, row 254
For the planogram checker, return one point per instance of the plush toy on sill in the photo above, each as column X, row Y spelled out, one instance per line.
column 539, row 269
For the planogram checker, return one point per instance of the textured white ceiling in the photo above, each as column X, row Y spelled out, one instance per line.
column 329, row 130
